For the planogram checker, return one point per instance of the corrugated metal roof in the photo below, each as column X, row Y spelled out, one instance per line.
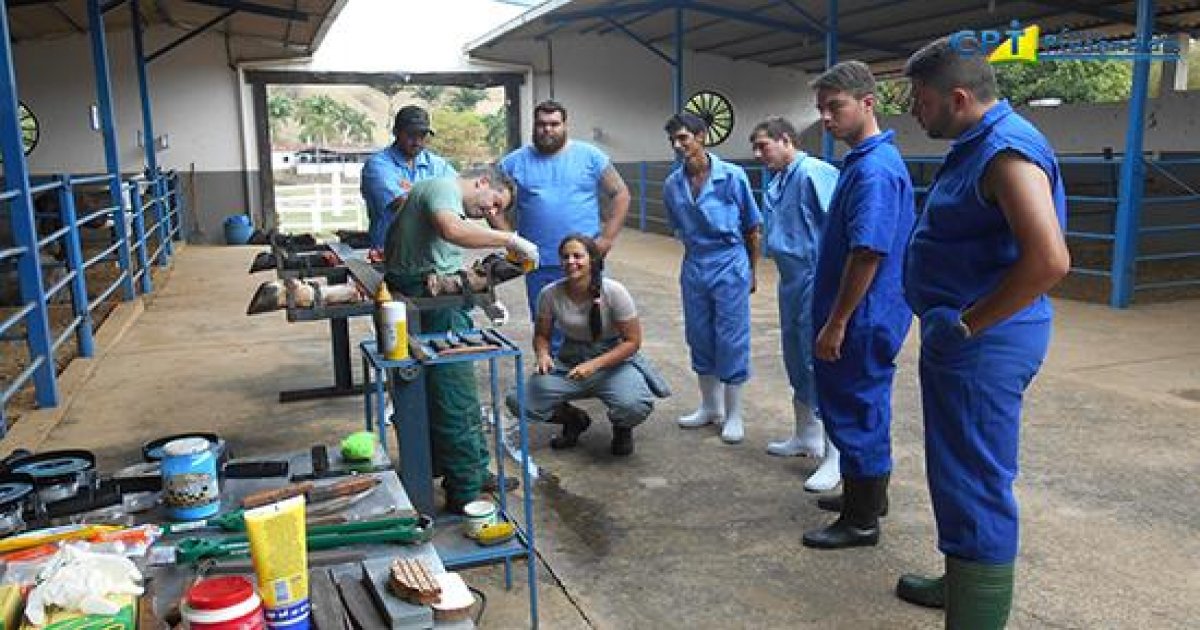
column 790, row 33
column 257, row 29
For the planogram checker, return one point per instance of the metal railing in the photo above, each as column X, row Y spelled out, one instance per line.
column 125, row 234
column 1168, row 233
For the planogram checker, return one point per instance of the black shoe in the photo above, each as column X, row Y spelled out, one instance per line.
column 574, row 422
column 833, row 503
column 491, row 483
column 922, row 591
column 456, row 506
column 841, row 535
column 622, row 441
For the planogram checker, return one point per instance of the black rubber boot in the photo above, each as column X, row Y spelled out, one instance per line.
column 833, row 503
column 978, row 596
column 574, row 422
column 622, row 441
column 922, row 591
column 858, row 524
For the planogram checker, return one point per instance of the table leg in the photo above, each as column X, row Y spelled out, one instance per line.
column 343, row 373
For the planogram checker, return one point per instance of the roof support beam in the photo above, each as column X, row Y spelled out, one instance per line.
column 645, row 44
column 255, row 8
column 190, row 35
column 110, row 5
column 1101, row 12
column 784, row 26
column 613, row 11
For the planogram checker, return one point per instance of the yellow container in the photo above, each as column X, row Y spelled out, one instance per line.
column 394, row 320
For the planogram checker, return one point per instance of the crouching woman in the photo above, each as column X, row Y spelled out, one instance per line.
column 599, row 357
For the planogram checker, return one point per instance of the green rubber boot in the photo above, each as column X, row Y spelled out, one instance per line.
column 929, row 592
column 978, row 596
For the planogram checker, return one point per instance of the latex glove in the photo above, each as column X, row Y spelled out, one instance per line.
column 523, row 248
column 941, row 327
column 497, row 312
column 79, row 580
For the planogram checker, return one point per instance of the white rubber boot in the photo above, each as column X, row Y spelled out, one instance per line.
column 807, row 441
column 829, row 474
column 712, row 393
column 733, row 431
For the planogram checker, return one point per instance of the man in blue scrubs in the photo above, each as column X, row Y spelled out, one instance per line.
column 713, row 212
column 987, row 247
column 795, row 201
column 560, row 183
column 390, row 174
column 858, row 303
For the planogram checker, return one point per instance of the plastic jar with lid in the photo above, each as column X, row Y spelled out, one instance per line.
column 189, row 476
column 223, row 603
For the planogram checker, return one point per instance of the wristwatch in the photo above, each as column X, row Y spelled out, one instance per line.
column 962, row 327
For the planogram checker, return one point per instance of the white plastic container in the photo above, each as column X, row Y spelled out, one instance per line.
column 394, row 321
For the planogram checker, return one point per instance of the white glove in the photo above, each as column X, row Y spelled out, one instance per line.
column 497, row 312
column 523, row 248
column 78, row 580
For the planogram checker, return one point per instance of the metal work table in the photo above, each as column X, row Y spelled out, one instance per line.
column 170, row 581
column 404, row 380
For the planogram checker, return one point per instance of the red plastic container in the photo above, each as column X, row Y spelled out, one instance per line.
column 223, row 603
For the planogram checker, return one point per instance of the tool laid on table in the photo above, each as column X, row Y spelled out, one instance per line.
column 408, row 529
column 311, row 491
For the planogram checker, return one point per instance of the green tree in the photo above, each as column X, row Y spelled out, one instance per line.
column 891, row 97
column 319, row 117
column 462, row 138
column 280, row 108
column 1071, row 81
column 356, row 127
column 429, row 93
column 497, row 130
column 464, row 99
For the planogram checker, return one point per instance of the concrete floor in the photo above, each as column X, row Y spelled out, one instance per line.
column 692, row 533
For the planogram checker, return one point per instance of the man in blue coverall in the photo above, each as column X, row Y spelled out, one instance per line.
column 795, row 201
column 390, row 174
column 560, row 184
column 713, row 212
column 859, row 304
column 987, row 247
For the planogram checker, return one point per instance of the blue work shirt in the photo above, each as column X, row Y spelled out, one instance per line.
column 872, row 208
column 381, row 177
column 963, row 246
column 719, row 216
column 795, row 203
column 557, row 194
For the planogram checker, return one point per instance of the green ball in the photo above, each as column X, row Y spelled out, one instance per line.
column 359, row 446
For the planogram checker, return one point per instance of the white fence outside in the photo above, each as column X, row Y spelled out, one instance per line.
column 321, row 207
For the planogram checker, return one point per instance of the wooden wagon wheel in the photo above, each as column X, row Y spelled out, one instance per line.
column 717, row 113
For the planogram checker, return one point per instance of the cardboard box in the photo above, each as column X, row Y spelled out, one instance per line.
column 73, row 620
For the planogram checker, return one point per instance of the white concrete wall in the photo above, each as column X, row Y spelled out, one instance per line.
column 611, row 83
column 193, row 92
column 1172, row 124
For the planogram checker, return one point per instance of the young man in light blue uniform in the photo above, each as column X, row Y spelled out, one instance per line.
column 713, row 212
column 560, row 183
column 390, row 174
column 987, row 247
column 858, row 303
column 795, row 202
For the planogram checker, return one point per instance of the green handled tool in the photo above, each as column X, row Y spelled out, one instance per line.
column 404, row 530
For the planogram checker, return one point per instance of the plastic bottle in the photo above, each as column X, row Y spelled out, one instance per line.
column 223, row 603
column 395, row 331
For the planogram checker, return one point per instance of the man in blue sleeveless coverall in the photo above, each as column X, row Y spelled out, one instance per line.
column 858, row 303
column 987, row 247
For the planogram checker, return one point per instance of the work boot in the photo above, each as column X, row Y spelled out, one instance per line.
column 574, row 422
column 858, row 523
column 978, row 596
column 711, row 410
column 833, row 503
column 922, row 591
column 622, row 441
column 732, row 432
column 808, row 439
column 491, row 483
column 829, row 474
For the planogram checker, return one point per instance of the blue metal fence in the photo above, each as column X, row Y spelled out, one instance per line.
column 1166, row 232
column 51, row 263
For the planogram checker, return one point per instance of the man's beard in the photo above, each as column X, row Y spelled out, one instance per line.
column 549, row 143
